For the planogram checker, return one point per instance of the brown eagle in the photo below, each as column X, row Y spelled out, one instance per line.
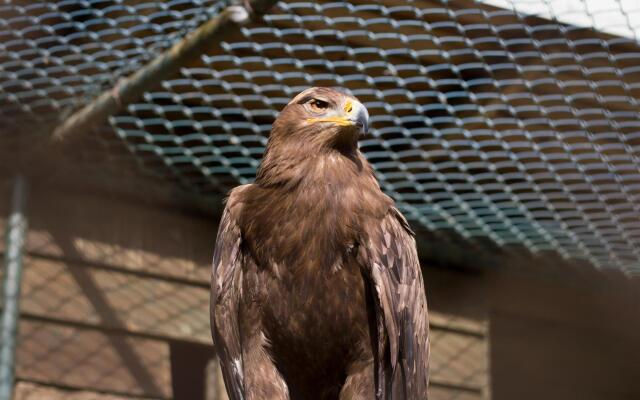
column 316, row 290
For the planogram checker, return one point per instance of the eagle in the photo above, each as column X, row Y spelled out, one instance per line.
column 316, row 289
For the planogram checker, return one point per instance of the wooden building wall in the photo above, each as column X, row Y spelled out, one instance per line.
column 115, row 306
column 115, row 299
column 562, row 333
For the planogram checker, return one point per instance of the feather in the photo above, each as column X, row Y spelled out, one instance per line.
column 225, row 297
column 315, row 272
column 394, row 268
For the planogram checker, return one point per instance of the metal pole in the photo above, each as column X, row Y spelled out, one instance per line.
column 16, row 229
column 133, row 87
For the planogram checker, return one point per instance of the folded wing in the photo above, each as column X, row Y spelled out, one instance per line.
column 225, row 296
column 390, row 260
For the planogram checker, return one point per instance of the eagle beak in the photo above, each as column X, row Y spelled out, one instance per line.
column 357, row 115
column 354, row 114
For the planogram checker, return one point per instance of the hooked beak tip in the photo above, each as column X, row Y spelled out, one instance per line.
column 360, row 118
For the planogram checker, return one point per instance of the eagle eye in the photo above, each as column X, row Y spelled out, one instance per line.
column 318, row 105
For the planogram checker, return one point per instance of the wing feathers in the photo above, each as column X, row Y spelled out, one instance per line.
column 393, row 267
column 226, row 284
column 390, row 261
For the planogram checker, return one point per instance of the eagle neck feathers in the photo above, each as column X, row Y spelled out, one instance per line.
column 307, row 209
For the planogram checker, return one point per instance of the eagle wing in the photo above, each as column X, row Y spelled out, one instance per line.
column 390, row 260
column 226, row 284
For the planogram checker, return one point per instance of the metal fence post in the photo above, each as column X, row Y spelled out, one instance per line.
column 16, row 229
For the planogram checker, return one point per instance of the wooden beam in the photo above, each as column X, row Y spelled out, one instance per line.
column 85, row 296
column 93, row 360
column 167, row 64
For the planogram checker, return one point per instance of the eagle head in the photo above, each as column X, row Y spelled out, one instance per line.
column 322, row 118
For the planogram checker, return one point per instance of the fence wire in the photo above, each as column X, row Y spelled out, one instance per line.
column 518, row 124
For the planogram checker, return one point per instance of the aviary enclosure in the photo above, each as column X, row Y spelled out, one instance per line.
column 507, row 131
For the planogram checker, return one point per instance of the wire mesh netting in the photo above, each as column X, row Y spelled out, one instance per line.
column 518, row 124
